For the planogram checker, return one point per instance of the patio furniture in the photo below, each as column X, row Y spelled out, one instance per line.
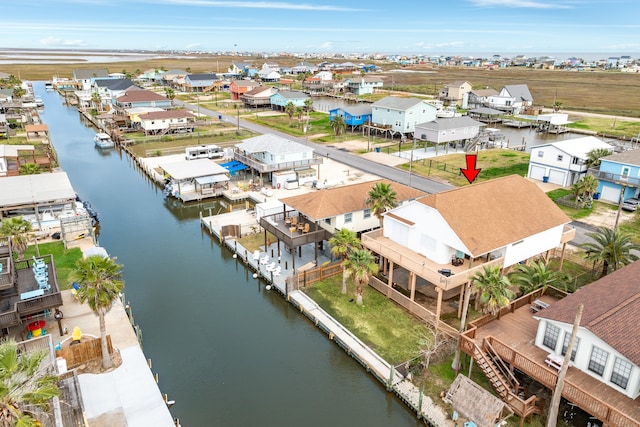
column 538, row 305
column 301, row 227
column 456, row 261
column 287, row 220
column 305, row 229
column 38, row 262
column 31, row 294
column 294, row 221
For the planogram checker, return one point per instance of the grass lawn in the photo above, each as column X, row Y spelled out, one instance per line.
column 169, row 144
column 381, row 324
column 319, row 123
column 253, row 242
column 65, row 260
column 611, row 126
column 494, row 163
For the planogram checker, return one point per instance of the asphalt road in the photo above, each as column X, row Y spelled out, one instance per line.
column 356, row 162
column 365, row 165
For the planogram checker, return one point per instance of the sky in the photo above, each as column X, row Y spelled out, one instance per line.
column 452, row 27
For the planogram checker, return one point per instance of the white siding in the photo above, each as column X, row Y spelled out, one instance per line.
column 533, row 245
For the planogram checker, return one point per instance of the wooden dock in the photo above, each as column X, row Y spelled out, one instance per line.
column 388, row 375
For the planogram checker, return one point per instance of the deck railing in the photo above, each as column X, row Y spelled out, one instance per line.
column 272, row 167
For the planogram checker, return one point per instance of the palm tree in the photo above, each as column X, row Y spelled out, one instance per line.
column 29, row 169
column 169, row 93
column 308, row 105
column 584, row 188
column 101, row 282
column 593, row 157
column 26, row 385
column 338, row 124
column 18, row 230
column 342, row 243
column 538, row 275
column 492, row 289
column 290, row 109
column 360, row 264
column 610, row 247
column 381, row 198
column 19, row 92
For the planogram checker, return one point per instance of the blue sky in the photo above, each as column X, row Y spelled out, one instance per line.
column 416, row 26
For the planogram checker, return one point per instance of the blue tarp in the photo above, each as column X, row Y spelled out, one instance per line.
column 234, row 166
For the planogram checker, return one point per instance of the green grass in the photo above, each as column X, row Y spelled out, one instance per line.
column 65, row 260
column 380, row 323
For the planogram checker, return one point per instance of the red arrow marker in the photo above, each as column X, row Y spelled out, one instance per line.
column 471, row 172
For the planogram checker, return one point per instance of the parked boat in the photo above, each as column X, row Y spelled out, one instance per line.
column 103, row 140
column 48, row 86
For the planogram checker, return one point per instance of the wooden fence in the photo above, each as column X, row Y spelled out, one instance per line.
column 78, row 354
column 309, row 277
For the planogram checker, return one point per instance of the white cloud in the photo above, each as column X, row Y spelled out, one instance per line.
column 54, row 41
column 521, row 4
column 257, row 5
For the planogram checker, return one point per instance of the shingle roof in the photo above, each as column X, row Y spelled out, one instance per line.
column 202, row 76
column 611, row 307
column 519, row 92
column 491, row 214
column 446, row 123
column 140, row 96
column 272, row 144
column 293, row 94
column 355, row 110
column 397, row 103
column 114, row 84
column 631, row 157
column 339, row 200
column 170, row 114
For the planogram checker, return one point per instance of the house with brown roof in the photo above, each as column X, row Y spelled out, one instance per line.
column 440, row 241
column 142, row 98
column 170, row 121
column 607, row 346
column 345, row 206
column 455, row 92
column 240, row 87
column 259, row 96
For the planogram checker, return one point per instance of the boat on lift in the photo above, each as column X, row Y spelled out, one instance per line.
column 103, row 140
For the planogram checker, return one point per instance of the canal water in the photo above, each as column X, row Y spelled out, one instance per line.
column 226, row 350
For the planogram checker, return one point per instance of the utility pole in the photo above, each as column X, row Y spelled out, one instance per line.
column 238, row 130
column 557, row 394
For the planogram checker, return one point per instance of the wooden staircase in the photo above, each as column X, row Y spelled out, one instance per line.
column 504, row 383
column 471, row 145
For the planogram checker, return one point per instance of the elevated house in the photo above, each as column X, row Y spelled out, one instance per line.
column 237, row 88
column 276, row 159
column 202, row 82
column 512, row 99
column 304, row 67
column 85, row 77
column 454, row 93
column 12, row 157
column 618, row 176
column 531, row 336
column 268, row 75
column 445, row 131
column 563, row 162
column 354, row 116
column 164, row 122
column 142, row 98
column 479, row 98
column 399, row 116
column 23, row 294
column 169, row 77
column 363, row 85
column 437, row 243
column 280, row 99
column 314, row 217
column 258, row 97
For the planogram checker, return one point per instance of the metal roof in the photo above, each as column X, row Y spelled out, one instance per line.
column 40, row 189
column 273, row 144
column 186, row 169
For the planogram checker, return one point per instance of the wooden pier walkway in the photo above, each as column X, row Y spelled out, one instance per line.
column 387, row 374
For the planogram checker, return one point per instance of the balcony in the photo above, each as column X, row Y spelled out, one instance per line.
column 20, row 280
column 624, row 180
column 262, row 167
column 421, row 265
column 511, row 335
column 291, row 235
column 568, row 234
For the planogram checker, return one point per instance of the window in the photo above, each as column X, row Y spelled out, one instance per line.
column 551, row 334
column 367, row 213
column 327, row 220
column 541, row 154
column 625, row 171
column 598, row 360
column 565, row 345
column 348, row 217
column 621, row 372
column 560, row 157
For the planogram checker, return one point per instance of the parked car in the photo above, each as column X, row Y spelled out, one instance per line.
column 630, row 204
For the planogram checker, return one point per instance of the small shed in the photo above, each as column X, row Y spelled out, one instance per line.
column 269, row 208
column 475, row 403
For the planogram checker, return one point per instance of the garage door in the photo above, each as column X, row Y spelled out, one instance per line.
column 536, row 172
column 610, row 194
column 557, row 177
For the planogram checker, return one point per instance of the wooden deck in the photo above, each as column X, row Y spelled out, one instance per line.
column 512, row 335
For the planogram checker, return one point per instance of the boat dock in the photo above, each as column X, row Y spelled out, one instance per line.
column 261, row 262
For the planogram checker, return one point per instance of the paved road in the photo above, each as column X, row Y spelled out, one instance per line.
column 357, row 162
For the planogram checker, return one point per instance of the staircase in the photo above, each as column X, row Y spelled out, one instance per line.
column 471, row 145
column 504, row 383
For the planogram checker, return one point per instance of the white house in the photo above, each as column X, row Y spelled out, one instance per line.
column 363, row 85
column 499, row 218
column 270, row 153
column 607, row 343
column 443, row 130
column 324, row 75
column 563, row 162
column 345, row 206
column 162, row 122
column 512, row 98
column 268, row 75
column 401, row 114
